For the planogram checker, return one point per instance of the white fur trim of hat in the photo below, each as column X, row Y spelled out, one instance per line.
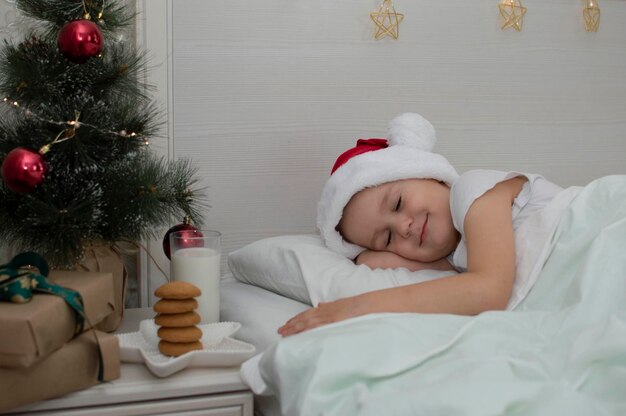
column 411, row 139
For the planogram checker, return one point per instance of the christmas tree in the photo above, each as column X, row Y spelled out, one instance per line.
column 74, row 133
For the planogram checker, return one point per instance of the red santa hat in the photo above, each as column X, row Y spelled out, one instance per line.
column 405, row 154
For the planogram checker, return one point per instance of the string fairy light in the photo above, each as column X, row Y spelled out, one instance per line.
column 71, row 125
column 69, row 134
column 101, row 11
column 86, row 14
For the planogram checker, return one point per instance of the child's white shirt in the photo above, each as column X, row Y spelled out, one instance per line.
column 536, row 193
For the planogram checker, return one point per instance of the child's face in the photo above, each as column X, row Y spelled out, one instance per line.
column 408, row 217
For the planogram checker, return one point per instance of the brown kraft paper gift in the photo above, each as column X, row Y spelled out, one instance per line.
column 105, row 258
column 31, row 331
column 72, row 367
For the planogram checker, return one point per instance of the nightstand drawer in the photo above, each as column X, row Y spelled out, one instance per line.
column 231, row 404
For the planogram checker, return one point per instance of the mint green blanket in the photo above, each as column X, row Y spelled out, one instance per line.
column 562, row 351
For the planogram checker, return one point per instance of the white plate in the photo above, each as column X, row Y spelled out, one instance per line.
column 220, row 350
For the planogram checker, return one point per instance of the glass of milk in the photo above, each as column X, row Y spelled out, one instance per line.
column 196, row 260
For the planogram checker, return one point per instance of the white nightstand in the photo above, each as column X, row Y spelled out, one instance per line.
column 193, row 391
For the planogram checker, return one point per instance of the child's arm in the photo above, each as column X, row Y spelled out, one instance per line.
column 389, row 260
column 486, row 286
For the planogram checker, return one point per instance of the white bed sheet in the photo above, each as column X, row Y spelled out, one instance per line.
column 260, row 313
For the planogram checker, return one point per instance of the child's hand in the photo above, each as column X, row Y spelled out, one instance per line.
column 324, row 313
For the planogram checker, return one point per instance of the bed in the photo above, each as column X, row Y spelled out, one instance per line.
column 560, row 350
column 260, row 313
column 264, row 96
column 273, row 279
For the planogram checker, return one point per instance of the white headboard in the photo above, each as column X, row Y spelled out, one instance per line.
column 263, row 95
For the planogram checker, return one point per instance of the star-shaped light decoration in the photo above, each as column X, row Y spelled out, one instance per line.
column 591, row 15
column 513, row 13
column 387, row 20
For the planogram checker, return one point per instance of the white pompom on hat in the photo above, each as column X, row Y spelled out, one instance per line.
column 406, row 154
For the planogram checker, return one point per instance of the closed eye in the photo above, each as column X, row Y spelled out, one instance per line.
column 397, row 208
column 388, row 238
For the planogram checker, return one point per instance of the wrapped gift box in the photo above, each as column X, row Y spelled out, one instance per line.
column 31, row 331
column 72, row 367
column 104, row 258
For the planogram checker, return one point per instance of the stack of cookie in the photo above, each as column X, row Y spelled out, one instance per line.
column 177, row 318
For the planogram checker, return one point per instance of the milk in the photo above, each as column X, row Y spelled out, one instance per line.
column 200, row 266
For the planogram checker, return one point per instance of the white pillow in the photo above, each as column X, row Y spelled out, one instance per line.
column 300, row 267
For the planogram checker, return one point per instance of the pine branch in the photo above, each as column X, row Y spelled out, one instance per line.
column 91, row 145
column 54, row 222
column 53, row 14
column 156, row 193
column 131, row 200
column 37, row 73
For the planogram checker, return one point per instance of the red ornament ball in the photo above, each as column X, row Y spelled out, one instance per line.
column 23, row 170
column 188, row 231
column 80, row 40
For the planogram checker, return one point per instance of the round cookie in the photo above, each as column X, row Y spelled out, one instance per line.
column 183, row 334
column 177, row 290
column 177, row 320
column 175, row 305
column 174, row 349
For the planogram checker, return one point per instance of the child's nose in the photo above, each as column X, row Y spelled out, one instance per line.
column 404, row 226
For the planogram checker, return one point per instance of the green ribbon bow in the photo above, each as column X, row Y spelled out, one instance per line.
column 18, row 281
